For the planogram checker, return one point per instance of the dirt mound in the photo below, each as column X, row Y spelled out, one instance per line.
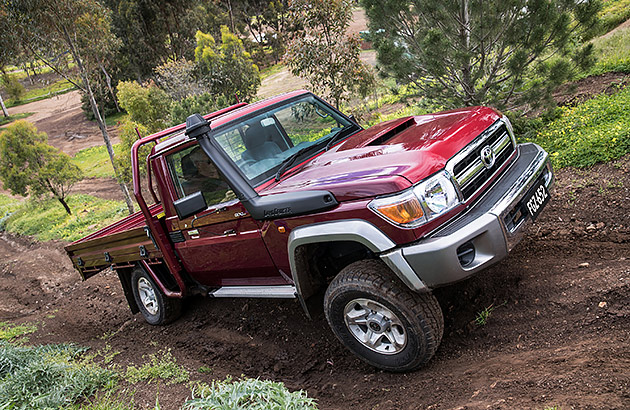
column 557, row 333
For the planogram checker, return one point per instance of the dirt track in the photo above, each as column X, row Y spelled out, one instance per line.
column 559, row 334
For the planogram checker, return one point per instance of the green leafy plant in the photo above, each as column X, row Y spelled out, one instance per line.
column 227, row 68
column 147, row 105
column 323, row 53
column 161, row 366
column 47, row 377
column 251, row 394
column 482, row 317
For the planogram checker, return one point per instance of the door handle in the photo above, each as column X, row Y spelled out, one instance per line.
column 229, row 232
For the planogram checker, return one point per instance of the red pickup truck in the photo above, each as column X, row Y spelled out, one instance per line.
column 289, row 198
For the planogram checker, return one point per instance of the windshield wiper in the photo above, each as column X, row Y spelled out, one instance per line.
column 336, row 136
column 286, row 163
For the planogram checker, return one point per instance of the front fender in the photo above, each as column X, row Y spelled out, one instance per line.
column 354, row 230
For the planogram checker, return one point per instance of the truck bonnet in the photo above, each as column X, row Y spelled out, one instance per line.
column 388, row 157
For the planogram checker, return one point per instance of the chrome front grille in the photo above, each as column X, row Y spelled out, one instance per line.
column 479, row 161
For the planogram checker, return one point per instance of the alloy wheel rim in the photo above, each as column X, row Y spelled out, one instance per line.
column 148, row 296
column 375, row 326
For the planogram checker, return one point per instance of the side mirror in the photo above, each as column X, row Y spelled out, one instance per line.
column 353, row 119
column 190, row 205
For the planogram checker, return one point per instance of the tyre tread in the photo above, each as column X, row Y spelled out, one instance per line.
column 373, row 275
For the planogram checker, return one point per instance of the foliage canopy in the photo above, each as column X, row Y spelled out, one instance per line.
column 323, row 53
column 226, row 68
column 471, row 52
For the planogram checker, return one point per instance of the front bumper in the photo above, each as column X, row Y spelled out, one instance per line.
column 493, row 226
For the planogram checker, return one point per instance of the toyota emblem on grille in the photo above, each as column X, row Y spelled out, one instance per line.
column 487, row 156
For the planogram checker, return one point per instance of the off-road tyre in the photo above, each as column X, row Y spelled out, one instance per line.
column 164, row 310
column 419, row 313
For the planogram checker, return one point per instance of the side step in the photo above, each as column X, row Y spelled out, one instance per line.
column 277, row 292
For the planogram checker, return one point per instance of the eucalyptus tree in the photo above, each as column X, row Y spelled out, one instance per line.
column 79, row 29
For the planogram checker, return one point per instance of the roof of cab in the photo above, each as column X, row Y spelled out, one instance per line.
column 175, row 135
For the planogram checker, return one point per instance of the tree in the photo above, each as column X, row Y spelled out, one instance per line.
column 226, row 68
column 28, row 165
column 474, row 52
column 147, row 105
column 323, row 53
column 82, row 29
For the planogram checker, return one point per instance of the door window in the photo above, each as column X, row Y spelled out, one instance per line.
column 193, row 171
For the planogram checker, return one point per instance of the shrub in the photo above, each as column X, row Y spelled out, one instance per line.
column 202, row 104
column 13, row 87
column 147, row 105
column 128, row 136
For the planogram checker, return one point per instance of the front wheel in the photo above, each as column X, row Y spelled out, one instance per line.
column 382, row 321
column 156, row 308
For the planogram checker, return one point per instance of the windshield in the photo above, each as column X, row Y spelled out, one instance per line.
column 261, row 144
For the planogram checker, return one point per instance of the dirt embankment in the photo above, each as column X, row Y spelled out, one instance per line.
column 558, row 334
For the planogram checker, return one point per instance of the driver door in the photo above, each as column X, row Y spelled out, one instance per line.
column 222, row 245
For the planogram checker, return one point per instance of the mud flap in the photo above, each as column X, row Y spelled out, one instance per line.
column 125, row 281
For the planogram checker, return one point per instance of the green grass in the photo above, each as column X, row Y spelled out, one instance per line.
column 613, row 13
column 161, row 366
column 597, row 130
column 114, row 119
column 6, row 120
column 10, row 332
column 271, row 70
column 94, row 161
column 47, row 220
column 613, row 52
column 59, row 87
column 251, row 394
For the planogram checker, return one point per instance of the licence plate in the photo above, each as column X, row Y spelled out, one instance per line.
column 536, row 199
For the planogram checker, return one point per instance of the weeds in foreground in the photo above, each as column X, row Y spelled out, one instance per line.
column 251, row 394
column 161, row 366
column 482, row 317
column 47, row 377
column 10, row 332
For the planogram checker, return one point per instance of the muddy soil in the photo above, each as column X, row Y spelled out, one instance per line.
column 558, row 333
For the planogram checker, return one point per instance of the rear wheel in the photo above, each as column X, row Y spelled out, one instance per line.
column 156, row 308
column 380, row 320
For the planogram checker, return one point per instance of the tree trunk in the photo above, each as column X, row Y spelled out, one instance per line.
column 65, row 205
column 108, row 80
column 464, row 31
column 99, row 118
column 4, row 107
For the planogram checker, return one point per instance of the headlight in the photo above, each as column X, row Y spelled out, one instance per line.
column 419, row 204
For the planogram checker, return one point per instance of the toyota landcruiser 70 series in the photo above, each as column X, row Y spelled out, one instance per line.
column 290, row 198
